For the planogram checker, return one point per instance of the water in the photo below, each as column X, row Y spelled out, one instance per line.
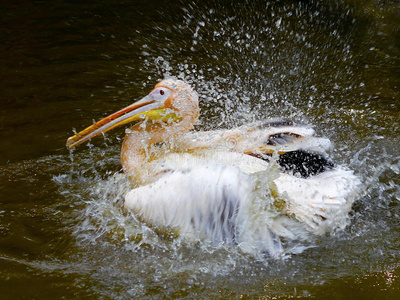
column 64, row 233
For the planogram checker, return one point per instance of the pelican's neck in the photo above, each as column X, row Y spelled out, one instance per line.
column 138, row 146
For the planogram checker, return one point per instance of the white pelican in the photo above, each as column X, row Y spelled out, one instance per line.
column 253, row 186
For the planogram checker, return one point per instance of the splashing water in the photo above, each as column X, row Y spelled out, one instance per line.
column 277, row 67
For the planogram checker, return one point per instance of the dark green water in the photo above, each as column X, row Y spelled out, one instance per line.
column 63, row 232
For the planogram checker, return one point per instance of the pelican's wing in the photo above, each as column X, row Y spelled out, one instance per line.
column 212, row 202
column 322, row 201
column 283, row 136
column 179, row 161
column 257, row 138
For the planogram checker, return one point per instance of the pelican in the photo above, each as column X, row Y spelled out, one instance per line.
column 255, row 186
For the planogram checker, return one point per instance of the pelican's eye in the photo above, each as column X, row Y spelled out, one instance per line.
column 160, row 94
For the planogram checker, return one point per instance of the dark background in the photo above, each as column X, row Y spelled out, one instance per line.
column 333, row 64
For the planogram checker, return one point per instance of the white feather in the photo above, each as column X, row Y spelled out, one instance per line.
column 216, row 196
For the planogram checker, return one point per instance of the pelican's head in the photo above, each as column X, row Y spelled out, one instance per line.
column 171, row 102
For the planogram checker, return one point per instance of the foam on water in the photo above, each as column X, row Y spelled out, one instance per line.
column 120, row 245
